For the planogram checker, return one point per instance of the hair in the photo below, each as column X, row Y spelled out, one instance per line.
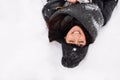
column 60, row 25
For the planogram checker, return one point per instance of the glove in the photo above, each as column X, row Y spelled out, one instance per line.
column 51, row 7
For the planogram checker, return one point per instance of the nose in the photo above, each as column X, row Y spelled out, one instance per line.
column 76, row 36
column 77, row 40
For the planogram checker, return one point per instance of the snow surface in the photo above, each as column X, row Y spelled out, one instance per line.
column 26, row 54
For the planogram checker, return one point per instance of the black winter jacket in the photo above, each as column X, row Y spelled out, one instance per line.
column 106, row 7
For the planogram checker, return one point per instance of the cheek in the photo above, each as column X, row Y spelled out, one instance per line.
column 83, row 37
column 68, row 37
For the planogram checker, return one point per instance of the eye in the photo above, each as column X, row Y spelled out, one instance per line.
column 80, row 41
column 71, row 41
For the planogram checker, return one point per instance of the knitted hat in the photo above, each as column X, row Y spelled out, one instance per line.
column 73, row 54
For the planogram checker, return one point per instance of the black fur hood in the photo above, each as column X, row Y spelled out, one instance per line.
column 89, row 15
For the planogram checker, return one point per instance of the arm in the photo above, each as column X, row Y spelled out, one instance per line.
column 50, row 7
column 108, row 7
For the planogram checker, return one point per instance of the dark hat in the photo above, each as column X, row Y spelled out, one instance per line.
column 72, row 54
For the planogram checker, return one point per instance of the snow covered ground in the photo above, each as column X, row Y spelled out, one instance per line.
column 26, row 54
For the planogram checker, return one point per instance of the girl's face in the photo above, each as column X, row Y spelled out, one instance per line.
column 76, row 36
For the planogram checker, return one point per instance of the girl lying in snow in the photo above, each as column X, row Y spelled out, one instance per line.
column 75, row 24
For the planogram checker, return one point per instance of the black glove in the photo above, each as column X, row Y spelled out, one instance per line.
column 51, row 7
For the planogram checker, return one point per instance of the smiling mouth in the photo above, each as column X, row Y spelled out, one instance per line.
column 75, row 32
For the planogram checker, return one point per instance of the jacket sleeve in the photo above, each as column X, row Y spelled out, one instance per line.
column 108, row 7
column 50, row 7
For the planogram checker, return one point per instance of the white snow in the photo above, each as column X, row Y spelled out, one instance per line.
column 98, row 25
column 84, row 1
column 26, row 54
column 91, row 7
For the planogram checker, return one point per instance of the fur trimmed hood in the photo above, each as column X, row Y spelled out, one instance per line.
column 89, row 15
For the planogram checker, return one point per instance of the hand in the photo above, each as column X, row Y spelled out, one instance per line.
column 72, row 1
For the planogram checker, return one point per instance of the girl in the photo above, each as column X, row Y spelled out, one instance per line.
column 75, row 24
